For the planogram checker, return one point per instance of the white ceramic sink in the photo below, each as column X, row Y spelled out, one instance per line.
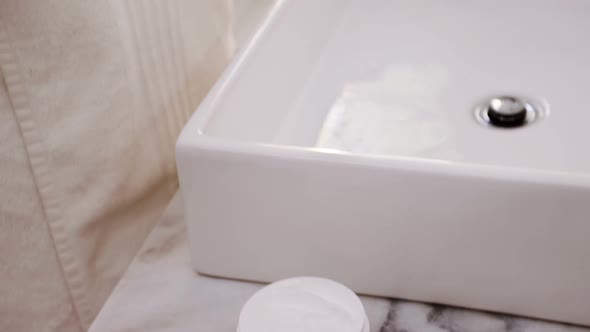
column 343, row 143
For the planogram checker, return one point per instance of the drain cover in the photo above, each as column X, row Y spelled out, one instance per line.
column 508, row 111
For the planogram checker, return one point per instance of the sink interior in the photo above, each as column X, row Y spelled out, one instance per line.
column 402, row 78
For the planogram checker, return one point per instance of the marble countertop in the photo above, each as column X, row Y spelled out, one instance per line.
column 161, row 292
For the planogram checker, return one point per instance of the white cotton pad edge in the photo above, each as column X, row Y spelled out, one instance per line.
column 304, row 304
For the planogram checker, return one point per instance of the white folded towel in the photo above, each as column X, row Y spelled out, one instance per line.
column 92, row 97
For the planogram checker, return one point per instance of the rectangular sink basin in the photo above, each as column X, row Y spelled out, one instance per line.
column 357, row 140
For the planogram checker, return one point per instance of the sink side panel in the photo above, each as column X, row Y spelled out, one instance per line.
column 500, row 245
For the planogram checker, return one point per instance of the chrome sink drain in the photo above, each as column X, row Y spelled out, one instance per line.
column 509, row 112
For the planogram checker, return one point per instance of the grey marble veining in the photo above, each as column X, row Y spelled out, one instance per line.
column 418, row 317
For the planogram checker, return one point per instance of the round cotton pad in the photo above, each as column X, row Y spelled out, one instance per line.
column 305, row 304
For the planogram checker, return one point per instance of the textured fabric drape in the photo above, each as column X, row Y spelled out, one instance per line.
column 92, row 97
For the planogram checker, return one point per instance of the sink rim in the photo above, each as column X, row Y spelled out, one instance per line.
column 194, row 136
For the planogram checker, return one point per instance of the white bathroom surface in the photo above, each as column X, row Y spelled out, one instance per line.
column 402, row 78
column 354, row 122
column 160, row 292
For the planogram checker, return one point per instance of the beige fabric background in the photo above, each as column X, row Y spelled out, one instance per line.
column 92, row 97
